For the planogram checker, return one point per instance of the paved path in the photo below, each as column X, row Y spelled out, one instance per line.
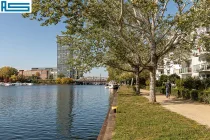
column 193, row 110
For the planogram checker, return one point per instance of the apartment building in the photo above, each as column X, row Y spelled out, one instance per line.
column 63, row 56
column 196, row 65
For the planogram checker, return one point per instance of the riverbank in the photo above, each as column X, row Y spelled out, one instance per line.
column 136, row 118
column 107, row 129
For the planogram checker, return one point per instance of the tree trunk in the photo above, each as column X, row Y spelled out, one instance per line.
column 154, row 61
column 152, row 86
column 132, row 82
column 137, row 84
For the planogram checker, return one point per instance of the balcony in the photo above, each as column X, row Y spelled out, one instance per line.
column 185, row 70
column 205, row 67
column 201, row 67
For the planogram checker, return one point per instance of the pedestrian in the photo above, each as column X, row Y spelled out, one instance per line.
column 168, row 89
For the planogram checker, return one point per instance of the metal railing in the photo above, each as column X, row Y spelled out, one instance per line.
column 185, row 70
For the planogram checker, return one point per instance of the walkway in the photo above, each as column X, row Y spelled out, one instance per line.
column 192, row 110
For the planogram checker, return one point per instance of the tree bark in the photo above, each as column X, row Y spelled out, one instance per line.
column 137, row 84
column 152, row 86
column 132, row 82
column 153, row 73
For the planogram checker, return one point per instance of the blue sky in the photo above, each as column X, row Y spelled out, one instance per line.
column 25, row 44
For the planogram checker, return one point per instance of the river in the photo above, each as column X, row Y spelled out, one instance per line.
column 60, row 112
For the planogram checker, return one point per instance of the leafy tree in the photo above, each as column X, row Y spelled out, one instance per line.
column 163, row 79
column 58, row 81
column 7, row 72
column 66, row 80
column 138, row 24
column 61, row 75
column 173, row 78
column 38, row 75
column 13, row 78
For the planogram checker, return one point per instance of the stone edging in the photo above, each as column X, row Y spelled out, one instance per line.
column 109, row 122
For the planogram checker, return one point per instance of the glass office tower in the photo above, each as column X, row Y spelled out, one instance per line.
column 63, row 56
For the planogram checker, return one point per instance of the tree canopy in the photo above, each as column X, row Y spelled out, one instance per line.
column 131, row 35
column 7, row 72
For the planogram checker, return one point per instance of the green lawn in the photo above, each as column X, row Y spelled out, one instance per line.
column 138, row 119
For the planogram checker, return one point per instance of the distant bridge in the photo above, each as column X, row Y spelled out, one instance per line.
column 92, row 80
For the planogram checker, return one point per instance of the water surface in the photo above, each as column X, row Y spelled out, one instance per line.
column 52, row 112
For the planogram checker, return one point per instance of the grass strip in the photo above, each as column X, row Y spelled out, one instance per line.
column 138, row 119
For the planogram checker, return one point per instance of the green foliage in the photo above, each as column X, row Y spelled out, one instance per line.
column 61, row 75
column 13, row 78
column 179, row 83
column 147, row 82
column 206, row 83
column 58, row 81
column 163, row 79
column 64, row 80
column 194, row 95
column 193, row 83
column 128, row 35
column 7, row 72
column 173, row 77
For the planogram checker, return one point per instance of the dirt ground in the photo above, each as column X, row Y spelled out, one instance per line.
column 192, row 110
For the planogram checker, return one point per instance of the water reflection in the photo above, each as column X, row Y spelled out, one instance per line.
column 65, row 100
column 52, row 112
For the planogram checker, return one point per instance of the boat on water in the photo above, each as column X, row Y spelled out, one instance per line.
column 107, row 86
column 112, row 85
column 8, row 84
column 30, row 84
column 16, row 84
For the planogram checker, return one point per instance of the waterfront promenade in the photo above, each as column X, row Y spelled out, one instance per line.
column 137, row 118
column 192, row 110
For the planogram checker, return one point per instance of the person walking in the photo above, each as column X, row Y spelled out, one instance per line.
column 168, row 89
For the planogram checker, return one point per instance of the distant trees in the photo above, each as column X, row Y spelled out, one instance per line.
column 6, row 72
column 142, row 32
column 61, row 75
column 38, row 75
column 64, row 80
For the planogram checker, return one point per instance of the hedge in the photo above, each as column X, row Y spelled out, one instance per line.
column 195, row 95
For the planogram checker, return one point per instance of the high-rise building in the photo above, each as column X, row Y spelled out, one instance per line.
column 63, row 56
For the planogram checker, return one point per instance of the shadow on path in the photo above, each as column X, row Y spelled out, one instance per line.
column 190, row 109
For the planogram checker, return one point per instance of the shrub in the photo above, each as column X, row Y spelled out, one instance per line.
column 66, row 80
column 205, row 97
column 188, row 83
column 147, row 83
column 176, row 92
column 185, row 94
column 193, row 83
column 194, row 95
column 179, row 83
column 58, row 81
column 158, row 83
column 173, row 78
column 206, row 83
column 163, row 79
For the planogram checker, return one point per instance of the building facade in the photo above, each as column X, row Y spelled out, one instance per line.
column 52, row 71
column 44, row 73
column 63, row 56
column 197, row 63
